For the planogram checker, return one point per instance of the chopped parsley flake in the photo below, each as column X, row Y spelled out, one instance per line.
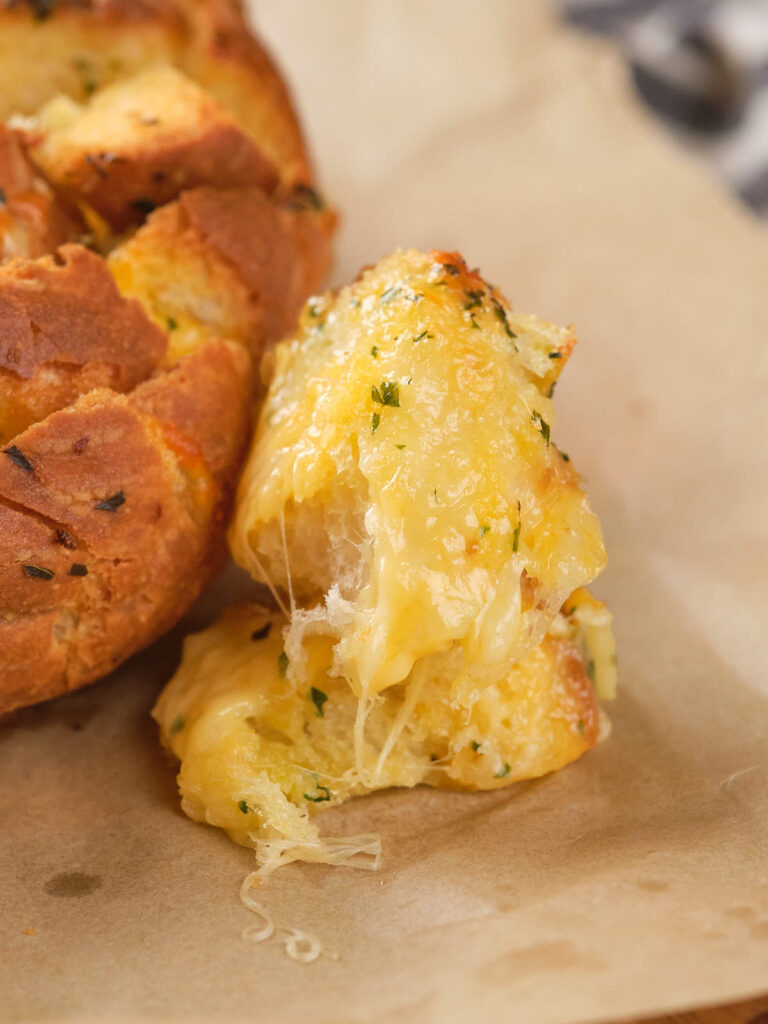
column 555, row 355
column 375, row 351
column 591, row 669
column 18, row 458
column 38, row 573
column 176, row 725
column 304, row 197
column 485, row 528
column 172, row 324
column 501, row 314
column 541, row 424
column 474, row 322
column 389, row 294
column 388, row 393
column 282, row 664
column 243, row 806
column 324, row 790
column 375, row 421
column 452, row 269
column 423, row 335
column 516, row 531
column 400, row 446
column 503, row 772
column 142, row 206
column 581, row 726
column 318, row 698
column 476, row 746
column 263, row 633
column 474, row 298
column 111, row 504
column 42, row 9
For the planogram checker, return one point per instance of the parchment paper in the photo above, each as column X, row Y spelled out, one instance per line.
column 633, row 881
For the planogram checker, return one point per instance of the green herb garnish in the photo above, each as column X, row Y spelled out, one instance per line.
column 143, row 206
column 375, row 351
column 476, row 746
column 243, row 806
column 38, row 573
column 326, row 795
column 375, row 421
column 400, row 446
column 474, row 298
column 304, row 197
column 282, row 664
column 485, row 528
column 176, row 725
column 172, row 324
column 591, row 669
column 503, row 772
column 555, row 355
column 388, row 393
column 541, row 424
column 111, row 504
column 516, row 531
column 18, row 458
column 389, row 294
column 581, row 726
column 261, row 634
column 318, row 698
column 501, row 314
column 42, row 9
column 423, row 335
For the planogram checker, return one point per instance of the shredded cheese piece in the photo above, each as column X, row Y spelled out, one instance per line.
column 304, row 947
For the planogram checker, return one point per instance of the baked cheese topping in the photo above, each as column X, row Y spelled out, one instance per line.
column 404, row 481
column 260, row 756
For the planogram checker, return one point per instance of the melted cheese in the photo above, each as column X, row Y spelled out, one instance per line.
column 261, row 756
column 403, row 482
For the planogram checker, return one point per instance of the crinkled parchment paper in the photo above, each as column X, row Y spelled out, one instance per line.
column 633, row 881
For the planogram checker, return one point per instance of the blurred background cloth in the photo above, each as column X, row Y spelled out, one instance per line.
column 702, row 65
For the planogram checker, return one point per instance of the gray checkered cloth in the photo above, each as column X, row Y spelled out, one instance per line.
column 702, row 65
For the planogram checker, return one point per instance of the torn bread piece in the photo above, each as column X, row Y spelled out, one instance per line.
column 33, row 219
column 140, row 142
column 403, row 492
column 260, row 756
column 428, row 546
column 90, row 44
column 226, row 262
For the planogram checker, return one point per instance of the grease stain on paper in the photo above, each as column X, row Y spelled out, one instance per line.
column 72, row 884
column 556, row 955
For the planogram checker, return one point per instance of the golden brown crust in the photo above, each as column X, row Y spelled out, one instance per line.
column 141, row 142
column 227, row 262
column 33, row 220
column 230, row 62
column 92, row 43
column 103, row 483
column 66, row 330
column 281, row 253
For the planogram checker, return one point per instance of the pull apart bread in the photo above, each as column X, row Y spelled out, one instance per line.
column 161, row 136
column 428, row 546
